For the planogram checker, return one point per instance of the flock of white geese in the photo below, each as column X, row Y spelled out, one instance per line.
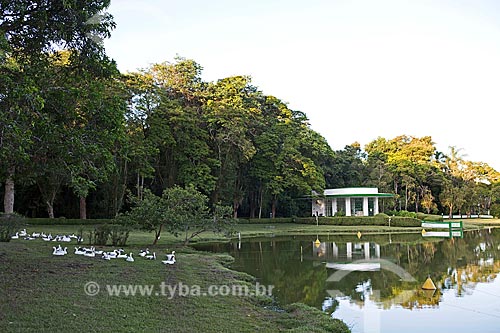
column 91, row 252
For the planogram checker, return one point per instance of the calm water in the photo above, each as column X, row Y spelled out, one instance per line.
column 374, row 283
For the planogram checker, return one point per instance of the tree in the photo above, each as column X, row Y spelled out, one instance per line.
column 181, row 211
column 80, row 123
column 188, row 213
column 148, row 213
column 30, row 31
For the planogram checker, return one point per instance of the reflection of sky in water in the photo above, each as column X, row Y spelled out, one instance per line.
column 476, row 311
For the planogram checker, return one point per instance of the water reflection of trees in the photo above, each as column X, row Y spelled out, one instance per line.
column 457, row 264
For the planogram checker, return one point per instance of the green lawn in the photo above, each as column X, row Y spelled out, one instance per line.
column 45, row 293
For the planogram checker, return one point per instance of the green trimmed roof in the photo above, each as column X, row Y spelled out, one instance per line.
column 380, row 195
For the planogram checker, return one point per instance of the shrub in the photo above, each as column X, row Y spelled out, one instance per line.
column 65, row 221
column 119, row 234
column 406, row 213
column 101, row 234
column 495, row 210
column 9, row 224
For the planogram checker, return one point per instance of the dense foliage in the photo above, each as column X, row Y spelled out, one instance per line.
column 76, row 135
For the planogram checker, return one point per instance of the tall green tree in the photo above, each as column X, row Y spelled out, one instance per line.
column 31, row 30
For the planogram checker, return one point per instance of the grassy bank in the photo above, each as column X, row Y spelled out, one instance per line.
column 45, row 293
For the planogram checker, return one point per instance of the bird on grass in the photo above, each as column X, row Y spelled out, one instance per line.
column 151, row 256
column 59, row 251
column 170, row 259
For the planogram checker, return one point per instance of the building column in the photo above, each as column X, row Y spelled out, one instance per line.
column 347, row 206
column 365, row 206
column 366, row 248
column 334, row 206
column 377, row 250
column 349, row 250
column 375, row 206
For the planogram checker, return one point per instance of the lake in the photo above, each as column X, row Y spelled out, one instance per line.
column 374, row 283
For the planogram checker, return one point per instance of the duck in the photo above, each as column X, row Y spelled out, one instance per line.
column 23, row 233
column 130, row 258
column 120, row 254
column 171, row 255
column 16, row 236
column 58, row 251
column 111, row 255
column 79, row 250
column 151, row 256
column 65, row 239
column 47, row 238
column 143, row 253
column 106, row 256
column 170, row 259
column 89, row 253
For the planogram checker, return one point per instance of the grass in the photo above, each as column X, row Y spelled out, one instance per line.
column 45, row 293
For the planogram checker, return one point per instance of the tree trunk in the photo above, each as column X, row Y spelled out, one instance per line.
column 157, row 234
column 8, row 199
column 273, row 207
column 406, row 197
column 83, row 208
column 253, row 206
column 236, row 205
column 50, row 209
column 261, row 194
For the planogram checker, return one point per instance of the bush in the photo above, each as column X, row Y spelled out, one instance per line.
column 64, row 221
column 9, row 224
column 495, row 210
column 268, row 220
column 119, row 234
column 429, row 217
column 406, row 213
column 101, row 234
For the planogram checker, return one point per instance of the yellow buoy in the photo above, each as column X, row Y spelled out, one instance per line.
column 317, row 242
column 429, row 293
column 423, row 232
column 429, row 285
column 359, row 234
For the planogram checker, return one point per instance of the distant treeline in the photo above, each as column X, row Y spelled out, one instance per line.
column 77, row 137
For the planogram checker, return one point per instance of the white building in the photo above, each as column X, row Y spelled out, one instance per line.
column 352, row 201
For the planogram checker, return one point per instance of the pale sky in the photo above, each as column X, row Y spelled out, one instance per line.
column 358, row 69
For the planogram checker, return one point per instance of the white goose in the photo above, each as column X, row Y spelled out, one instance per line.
column 151, row 256
column 16, row 236
column 143, row 253
column 58, row 251
column 79, row 250
column 170, row 259
column 120, row 254
column 130, row 258
column 89, row 253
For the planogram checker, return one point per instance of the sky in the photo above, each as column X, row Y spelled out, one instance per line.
column 358, row 69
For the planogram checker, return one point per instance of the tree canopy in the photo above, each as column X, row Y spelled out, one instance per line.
column 76, row 134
